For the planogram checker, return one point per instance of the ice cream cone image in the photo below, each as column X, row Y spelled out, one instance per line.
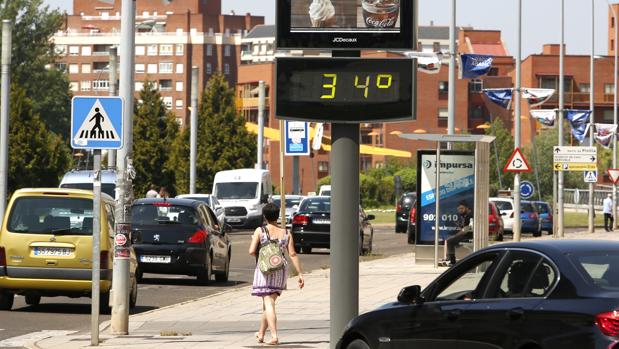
column 322, row 14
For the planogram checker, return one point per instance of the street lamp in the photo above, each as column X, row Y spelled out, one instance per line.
column 615, row 25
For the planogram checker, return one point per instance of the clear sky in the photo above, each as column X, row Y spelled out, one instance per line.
column 541, row 19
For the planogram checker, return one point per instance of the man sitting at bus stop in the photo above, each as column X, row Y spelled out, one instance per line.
column 465, row 232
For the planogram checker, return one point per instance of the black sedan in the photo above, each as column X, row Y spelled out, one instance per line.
column 537, row 295
column 311, row 226
column 180, row 236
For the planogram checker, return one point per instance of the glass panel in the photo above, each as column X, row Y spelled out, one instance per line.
column 45, row 215
column 465, row 285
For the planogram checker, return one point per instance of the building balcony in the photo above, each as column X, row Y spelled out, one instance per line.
column 579, row 98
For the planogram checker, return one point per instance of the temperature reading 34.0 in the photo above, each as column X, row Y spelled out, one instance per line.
column 363, row 83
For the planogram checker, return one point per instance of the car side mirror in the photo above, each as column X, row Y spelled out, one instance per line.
column 371, row 217
column 227, row 229
column 410, row 295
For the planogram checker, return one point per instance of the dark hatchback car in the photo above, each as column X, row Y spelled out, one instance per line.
column 403, row 210
column 535, row 295
column 311, row 226
column 180, row 236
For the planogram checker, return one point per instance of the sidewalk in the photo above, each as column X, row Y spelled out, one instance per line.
column 229, row 319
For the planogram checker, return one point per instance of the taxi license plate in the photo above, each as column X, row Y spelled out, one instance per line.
column 155, row 259
column 53, row 251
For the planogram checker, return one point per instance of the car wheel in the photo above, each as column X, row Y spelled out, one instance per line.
column 204, row 276
column 223, row 277
column 139, row 275
column 499, row 236
column 33, row 300
column 104, row 303
column 133, row 296
column 537, row 233
column 306, row 250
column 358, row 344
column 6, row 300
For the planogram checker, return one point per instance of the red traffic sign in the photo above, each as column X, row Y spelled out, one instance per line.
column 120, row 239
column 613, row 173
column 517, row 163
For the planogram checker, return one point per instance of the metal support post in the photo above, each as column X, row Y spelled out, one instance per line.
column 96, row 251
column 344, row 227
column 296, row 185
column 7, row 43
column 560, row 183
column 193, row 137
column 120, row 283
column 437, row 203
column 615, row 115
column 261, row 107
column 451, row 120
column 592, row 107
column 517, row 122
column 113, row 91
column 482, row 192
column 282, row 172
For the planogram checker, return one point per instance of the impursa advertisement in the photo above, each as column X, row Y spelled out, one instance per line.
column 457, row 186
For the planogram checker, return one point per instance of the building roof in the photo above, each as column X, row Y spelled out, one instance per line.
column 489, row 49
column 261, row 31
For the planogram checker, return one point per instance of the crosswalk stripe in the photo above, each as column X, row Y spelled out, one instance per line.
column 23, row 340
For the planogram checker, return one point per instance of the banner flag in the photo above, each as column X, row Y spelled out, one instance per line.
column 579, row 119
column 430, row 64
column 604, row 134
column 546, row 117
column 537, row 96
column 473, row 66
column 500, row 96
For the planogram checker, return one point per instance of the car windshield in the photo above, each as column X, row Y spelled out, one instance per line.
column 163, row 214
column 290, row 203
column 504, row 205
column 542, row 208
column 51, row 215
column 107, row 188
column 599, row 269
column 236, row 190
column 316, row 205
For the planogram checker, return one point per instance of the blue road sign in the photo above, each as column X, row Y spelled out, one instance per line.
column 97, row 123
column 526, row 190
column 590, row 176
column 297, row 138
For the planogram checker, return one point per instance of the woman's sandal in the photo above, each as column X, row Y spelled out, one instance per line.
column 258, row 338
column 273, row 341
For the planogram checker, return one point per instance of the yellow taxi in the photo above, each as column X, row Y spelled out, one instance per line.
column 46, row 247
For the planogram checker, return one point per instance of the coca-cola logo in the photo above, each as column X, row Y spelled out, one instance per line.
column 384, row 23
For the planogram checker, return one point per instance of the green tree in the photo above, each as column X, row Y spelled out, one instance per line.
column 223, row 141
column 500, row 151
column 179, row 160
column 37, row 158
column 33, row 61
column 154, row 131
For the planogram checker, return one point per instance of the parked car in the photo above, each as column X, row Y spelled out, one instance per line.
column 530, row 222
column 506, row 207
column 46, row 247
column 542, row 294
column 411, row 229
column 402, row 211
column 311, row 226
column 83, row 179
column 180, row 236
column 211, row 201
column 495, row 221
column 544, row 210
column 325, row 190
column 292, row 205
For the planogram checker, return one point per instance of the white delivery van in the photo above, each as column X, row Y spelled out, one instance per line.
column 83, row 179
column 325, row 190
column 243, row 193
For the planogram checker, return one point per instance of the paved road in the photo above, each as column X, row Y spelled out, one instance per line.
column 160, row 290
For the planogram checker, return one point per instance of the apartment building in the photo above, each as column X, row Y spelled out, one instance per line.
column 171, row 37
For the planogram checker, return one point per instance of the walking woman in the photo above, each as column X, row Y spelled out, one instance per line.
column 271, row 286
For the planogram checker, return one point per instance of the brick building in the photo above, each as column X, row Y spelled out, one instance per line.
column 171, row 37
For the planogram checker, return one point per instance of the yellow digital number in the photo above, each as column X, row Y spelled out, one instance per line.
column 330, row 86
column 365, row 87
column 381, row 77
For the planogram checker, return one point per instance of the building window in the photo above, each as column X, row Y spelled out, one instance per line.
column 549, row 82
column 60, row 50
column 323, row 166
column 609, row 89
column 227, row 50
column 165, row 85
column 476, row 86
column 74, row 50
column 179, row 104
column 493, row 72
column 74, row 86
column 86, row 69
column 152, row 50
column 180, row 86
column 209, row 68
column 227, row 69
column 166, row 67
column 61, row 66
column 209, row 50
column 85, row 85
column 180, row 49
column 443, row 86
column 366, row 138
column 152, row 69
column 166, row 50
column 168, row 102
column 180, row 68
column 100, row 67
column 140, row 68
column 193, row 31
column 380, row 140
column 179, row 31
column 477, row 112
column 443, row 113
column 74, row 68
column 584, row 88
column 140, row 50
column 86, row 50
column 609, row 115
column 139, row 86
column 101, row 85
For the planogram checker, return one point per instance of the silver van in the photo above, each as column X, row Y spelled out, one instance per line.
column 82, row 179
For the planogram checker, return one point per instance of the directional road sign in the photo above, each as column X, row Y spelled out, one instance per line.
column 590, row 176
column 575, row 158
column 526, row 190
column 517, row 163
column 96, row 123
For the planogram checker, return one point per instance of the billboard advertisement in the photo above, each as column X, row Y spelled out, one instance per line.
column 457, row 185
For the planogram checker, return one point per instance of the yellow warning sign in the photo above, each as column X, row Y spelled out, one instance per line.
column 564, row 166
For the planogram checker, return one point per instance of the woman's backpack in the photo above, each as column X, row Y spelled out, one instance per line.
column 270, row 255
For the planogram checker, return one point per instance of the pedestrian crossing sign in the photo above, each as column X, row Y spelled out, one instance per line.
column 96, row 122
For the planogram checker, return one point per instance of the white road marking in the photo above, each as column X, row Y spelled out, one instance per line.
column 23, row 340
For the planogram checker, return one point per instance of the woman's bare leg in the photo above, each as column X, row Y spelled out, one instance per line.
column 263, row 321
column 271, row 317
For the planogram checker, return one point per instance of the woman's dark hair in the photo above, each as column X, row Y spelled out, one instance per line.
column 270, row 211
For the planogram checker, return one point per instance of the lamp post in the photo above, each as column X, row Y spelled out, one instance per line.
column 592, row 107
column 615, row 109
